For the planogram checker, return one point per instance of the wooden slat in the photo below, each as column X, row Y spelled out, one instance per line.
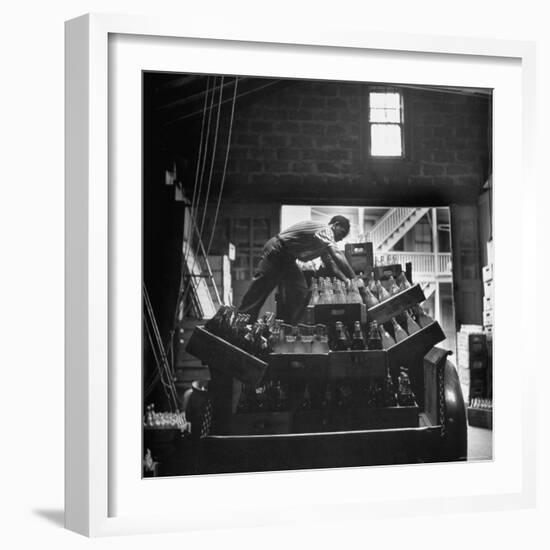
column 298, row 365
column 357, row 364
column 382, row 313
column 225, row 357
column 416, row 345
column 328, row 314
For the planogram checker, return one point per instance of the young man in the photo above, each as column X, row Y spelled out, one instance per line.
column 303, row 241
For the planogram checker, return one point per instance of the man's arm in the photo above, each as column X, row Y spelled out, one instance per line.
column 330, row 264
column 338, row 262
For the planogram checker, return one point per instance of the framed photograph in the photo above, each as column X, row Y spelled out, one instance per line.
column 286, row 259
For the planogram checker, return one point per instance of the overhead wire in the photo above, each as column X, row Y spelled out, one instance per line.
column 162, row 363
column 193, row 212
column 230, row 131
column 212, row 160
column 160, row 370
column 211, row 171
column 185, row 255
column 242, row 94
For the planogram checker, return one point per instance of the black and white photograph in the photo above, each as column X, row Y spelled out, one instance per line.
column 317, row 274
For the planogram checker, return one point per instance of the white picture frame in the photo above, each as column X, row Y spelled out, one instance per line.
column 97, row 418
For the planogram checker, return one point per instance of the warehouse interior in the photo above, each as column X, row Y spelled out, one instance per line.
column 229, row 162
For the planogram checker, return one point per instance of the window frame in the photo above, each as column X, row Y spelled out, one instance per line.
column 366, row 125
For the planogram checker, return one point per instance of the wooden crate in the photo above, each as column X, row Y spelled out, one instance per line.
column 357, row 364
column 225, row 357
column 337, row 420
column 360, row 257
column 298, row 365
column 416, row 345
column 261, row 423
column 330, row 366
column 328, row 314
column 481, row 418
column 382, row 313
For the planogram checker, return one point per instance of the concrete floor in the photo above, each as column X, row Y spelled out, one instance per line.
column 480, row 443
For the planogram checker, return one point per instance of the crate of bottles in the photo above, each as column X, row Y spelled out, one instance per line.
column 346, row 313
column 225, row 357
column 416, row 344
column 347, row 404
column 377, row 418
column 298, row 365
column 395, row 304
column 355, row 364
column 261, row 423
column 480, row 412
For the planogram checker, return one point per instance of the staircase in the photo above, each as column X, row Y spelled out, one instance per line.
column 392, row 226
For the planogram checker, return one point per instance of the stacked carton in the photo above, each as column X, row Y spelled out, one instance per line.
column 472, row 360
column 488, row 299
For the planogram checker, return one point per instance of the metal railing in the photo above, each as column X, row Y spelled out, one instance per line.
column 387, row 224
column 425, row 263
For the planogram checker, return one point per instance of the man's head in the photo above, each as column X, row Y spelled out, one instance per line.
column 340, row 227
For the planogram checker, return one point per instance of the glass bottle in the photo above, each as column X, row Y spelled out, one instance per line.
column 320, row 340
column 300, row 346
column 403, row 282
column 314, row 298
column 390, row 398
column 370, row 299
column 357, row 342
column 412, row 325
column 405, row 395
column 393, row 288
column 338, row 296
column 422, row 319
column 275, row 336
column 340, row 341
column 398, row 331
column 383, row 294
column 287, row 339
column 374, row 341
column 356, row 297
column 387, row 340
column 371, row 285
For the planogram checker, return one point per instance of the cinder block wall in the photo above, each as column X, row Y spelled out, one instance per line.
column 304, row 141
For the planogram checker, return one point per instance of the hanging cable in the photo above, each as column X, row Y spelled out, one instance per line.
column 183, row 264
column 242, row 94
column 207, row 141
column 230, row 131
column 160, row 369
column 207, row 195
column 164, row 373
column 160, row 348
column 200, row 231
column 193, row 213
column 212, row 160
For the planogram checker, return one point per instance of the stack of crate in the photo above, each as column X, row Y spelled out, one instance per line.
column 472, row 361
column 488, row 292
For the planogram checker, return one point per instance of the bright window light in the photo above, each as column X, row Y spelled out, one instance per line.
column 386, row 123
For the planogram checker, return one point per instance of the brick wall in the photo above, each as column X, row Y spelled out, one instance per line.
column 302, row 141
